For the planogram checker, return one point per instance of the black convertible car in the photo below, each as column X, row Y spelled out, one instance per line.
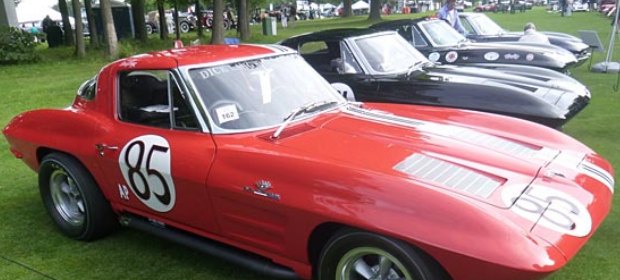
column 441, row 43
column 383, row 67
column 480, row 28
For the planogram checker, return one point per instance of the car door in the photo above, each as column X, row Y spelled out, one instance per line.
column 156, row 154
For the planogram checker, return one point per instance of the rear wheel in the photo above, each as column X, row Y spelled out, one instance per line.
column 352, row 255
column 73, row 199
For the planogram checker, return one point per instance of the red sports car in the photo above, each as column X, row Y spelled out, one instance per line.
column 245, row 152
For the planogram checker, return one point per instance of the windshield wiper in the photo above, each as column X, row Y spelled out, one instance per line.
column 414, row 67
column 308, row 108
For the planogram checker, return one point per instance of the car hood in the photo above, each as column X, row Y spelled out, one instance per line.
column 554, row 90
column 478, row 164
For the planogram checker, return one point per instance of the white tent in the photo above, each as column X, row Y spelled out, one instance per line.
column 360, row 5
column 34, row 11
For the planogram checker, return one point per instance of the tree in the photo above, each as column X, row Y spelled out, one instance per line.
column 80, row 50
column 348, row 11
column 375, row 10
column 163, row 23
column 109, row 31
column 199, row 19
column 217, row 36
column 66, row 24
column 243, row 20
column 92, row 26
column 137, row 12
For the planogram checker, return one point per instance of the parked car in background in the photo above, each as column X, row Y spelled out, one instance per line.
column 207, row 19
column 441, row 43
column 246, row 153
column 481, row 28
column 383, row 67
column 187, row 22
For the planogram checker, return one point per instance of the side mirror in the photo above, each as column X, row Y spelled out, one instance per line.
column 345, row 91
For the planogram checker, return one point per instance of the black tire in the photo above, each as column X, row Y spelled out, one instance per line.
column 149, row 29
column 184, row 26
column 347, row 247
column 73, row 199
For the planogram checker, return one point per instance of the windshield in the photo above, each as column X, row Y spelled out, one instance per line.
column 389, row 53
column 259, row 93
column 486, row 26
column 441, row 34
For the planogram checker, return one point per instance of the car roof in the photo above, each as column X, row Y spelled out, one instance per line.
column 200, row 55
column 399, row 22
column 333, row 34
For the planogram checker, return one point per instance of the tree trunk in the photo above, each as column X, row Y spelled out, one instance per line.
column 198, row 12
column 163, row 23
column 139, row 23
column 217, row 37
column 80, row 50
column 375, row 10
column 109, row 31
column 348, row 11
column 175, row 17
column 66, row 24
column 243, row 21
column 92, row 25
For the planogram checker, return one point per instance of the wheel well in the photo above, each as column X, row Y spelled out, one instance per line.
column 322, row 233
column 43, row 151
column 319, row 237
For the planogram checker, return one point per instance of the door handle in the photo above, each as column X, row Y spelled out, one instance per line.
column 102, row 147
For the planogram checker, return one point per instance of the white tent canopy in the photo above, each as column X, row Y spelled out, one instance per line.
column 360, row 5
column 34, row 11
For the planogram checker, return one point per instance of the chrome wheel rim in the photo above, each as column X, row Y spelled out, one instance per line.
column 371, row 263
column 66, row 197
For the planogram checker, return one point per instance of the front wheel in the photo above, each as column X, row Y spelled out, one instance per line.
column 184, row 26
column 73, row 199
column 352, row 255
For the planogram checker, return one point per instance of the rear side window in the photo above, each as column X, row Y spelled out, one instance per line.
column 313, row 47
column 88, row 89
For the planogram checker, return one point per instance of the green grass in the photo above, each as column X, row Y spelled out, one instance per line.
column 28, row 237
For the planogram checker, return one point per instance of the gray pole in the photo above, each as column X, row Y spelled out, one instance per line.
column 7, row 13
column 609, row 66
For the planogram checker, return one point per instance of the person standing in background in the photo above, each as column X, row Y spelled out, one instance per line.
column 449, row 13
column 530, row 35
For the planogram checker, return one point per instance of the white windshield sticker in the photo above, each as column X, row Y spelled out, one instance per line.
column 227, row 113
column 264, row 77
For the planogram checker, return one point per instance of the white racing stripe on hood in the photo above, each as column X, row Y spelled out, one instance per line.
column 463, row 134
column 578, row 161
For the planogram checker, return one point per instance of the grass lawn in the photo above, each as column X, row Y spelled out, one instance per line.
column 31, row 247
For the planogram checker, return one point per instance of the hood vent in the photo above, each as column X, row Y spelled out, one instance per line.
column 448, row 175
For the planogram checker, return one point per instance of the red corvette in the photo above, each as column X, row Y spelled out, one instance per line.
column 246, row 153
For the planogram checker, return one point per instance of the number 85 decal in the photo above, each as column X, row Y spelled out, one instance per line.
column 550, row 208
column 145, row 165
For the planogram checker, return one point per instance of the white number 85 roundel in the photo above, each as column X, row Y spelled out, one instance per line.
column 145, row 165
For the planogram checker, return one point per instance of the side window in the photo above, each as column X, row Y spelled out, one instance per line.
column 467, row 25
column 418, row 40
column 183, row 116
column 349, row 64
column 405, row 32
column 145, row 98
column 88, row 89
